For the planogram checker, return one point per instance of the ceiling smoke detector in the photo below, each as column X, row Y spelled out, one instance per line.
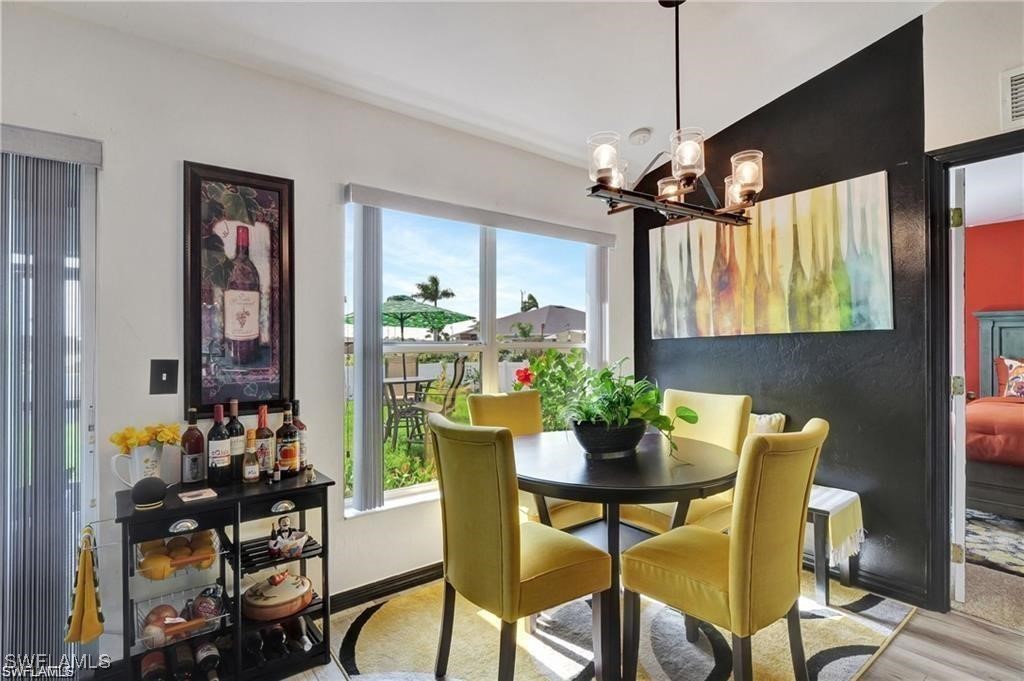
column 640, row 136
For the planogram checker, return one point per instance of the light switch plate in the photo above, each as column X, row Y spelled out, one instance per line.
column 163, row 376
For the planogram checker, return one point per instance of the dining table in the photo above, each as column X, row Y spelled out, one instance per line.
column 553, row 464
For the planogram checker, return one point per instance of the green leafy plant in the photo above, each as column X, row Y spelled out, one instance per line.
column 572, row 391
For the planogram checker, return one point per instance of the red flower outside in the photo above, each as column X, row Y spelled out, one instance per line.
column 524, row 376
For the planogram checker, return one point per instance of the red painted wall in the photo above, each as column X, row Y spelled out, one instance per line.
column 994, row 280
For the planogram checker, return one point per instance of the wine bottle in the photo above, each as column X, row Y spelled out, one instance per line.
column 275, row 642
column 252, row 647
column 183, row 664
column 762, row 286
column 297, row 631
column 664, row 324
column 747, row 299
column 727, row 308
column 242, row 304
column 703, row 304
column 799, row 286
column 154, row 666
column 218, row 455
column 840, row 276
column 266, row 448
column 301, row 425
column 823, row 294
column 860, row 272
column 207, row 658
column 193, row 450
column 690, row 286
column 683, row 301
column 250, row 463
column 720, row 317
column 237, row 432
column 778, row 320
column 287, row 438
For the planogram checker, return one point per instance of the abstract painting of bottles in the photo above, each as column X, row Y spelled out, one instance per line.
column 817, row 260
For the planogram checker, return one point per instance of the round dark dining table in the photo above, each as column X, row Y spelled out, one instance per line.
column 553, row 464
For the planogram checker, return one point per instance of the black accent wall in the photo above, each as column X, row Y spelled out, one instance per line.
column 864, row 115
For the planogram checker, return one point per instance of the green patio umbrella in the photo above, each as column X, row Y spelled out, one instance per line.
column 403, row 311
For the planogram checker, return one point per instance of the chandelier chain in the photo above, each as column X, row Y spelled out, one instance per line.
column 678, row 126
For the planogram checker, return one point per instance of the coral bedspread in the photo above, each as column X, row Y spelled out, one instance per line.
column 995, row 430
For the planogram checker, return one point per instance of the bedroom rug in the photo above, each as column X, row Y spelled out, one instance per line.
column 995, row 541
column 994, row 596
column 396, row 640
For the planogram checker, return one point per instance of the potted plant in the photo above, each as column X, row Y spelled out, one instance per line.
column 609, row 412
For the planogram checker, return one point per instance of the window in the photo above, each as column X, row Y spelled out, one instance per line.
column 439, row 304
column 45, row 275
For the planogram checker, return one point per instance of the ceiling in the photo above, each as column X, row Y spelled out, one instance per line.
column 537, row 75
column 994, row 190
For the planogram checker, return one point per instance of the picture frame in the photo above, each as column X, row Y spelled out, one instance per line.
column 239, row 326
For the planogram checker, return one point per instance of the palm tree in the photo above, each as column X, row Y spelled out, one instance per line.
column 528, row 303
column 430, row 291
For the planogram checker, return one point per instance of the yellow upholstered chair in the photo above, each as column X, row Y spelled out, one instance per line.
column 520, row 413
column 508, row 569
column 721, row 420
column 747, row 579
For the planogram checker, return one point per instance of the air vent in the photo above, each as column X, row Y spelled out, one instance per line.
column 1012, row 87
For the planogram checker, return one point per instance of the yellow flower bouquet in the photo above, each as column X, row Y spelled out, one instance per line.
column 143, row 448
column 154, row 435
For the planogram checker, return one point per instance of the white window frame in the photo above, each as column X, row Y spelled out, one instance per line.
column 368, row 494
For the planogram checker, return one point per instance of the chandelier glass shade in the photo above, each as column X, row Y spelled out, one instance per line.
column 688, row 164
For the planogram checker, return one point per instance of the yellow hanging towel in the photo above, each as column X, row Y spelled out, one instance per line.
column 85, row 622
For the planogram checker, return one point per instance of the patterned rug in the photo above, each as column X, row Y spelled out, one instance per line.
column 995, row 541
column 396, row 641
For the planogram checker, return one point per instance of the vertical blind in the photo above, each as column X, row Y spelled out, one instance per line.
column 40, row 361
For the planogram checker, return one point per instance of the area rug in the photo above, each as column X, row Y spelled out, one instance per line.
column 994, row 596
column 396, row 641
column 995, row 541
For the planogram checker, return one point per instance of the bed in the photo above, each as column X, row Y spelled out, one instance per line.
column 995, row 424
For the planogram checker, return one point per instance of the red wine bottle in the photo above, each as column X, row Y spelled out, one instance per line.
column 237, row 432
column 266, row 448
column 193, row 449
column 218, row 454
column 288, row 445
column 207, row 659
column 242, row 304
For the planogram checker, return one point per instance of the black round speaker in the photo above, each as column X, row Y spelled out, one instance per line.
column 149, row 493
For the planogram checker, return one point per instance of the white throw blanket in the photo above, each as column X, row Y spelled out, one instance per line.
column 845, row 524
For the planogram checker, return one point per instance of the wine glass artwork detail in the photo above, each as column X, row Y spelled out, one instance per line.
column 817, row 260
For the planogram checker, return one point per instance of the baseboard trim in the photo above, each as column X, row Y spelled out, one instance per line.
column 343, row 600
column 877, row 584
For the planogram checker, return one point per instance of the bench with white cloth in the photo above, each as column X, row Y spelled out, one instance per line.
column 835, row 536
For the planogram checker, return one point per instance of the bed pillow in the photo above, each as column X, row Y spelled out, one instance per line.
column 1002, row 366
column 1014, row 379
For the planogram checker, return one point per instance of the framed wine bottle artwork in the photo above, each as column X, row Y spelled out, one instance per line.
column 239, row 289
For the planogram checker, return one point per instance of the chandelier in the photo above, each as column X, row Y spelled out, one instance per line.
column 686, row 152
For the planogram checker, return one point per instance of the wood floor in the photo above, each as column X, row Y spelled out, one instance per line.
column 932, row 647
column 950, row 647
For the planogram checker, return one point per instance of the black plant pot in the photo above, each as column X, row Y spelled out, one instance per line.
column 603, row 441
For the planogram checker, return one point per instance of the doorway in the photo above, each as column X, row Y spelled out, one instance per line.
column 976, row 218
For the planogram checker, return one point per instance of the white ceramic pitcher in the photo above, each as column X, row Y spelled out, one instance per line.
column 143, row 462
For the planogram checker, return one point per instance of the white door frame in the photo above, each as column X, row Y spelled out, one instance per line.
column 958, row 397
